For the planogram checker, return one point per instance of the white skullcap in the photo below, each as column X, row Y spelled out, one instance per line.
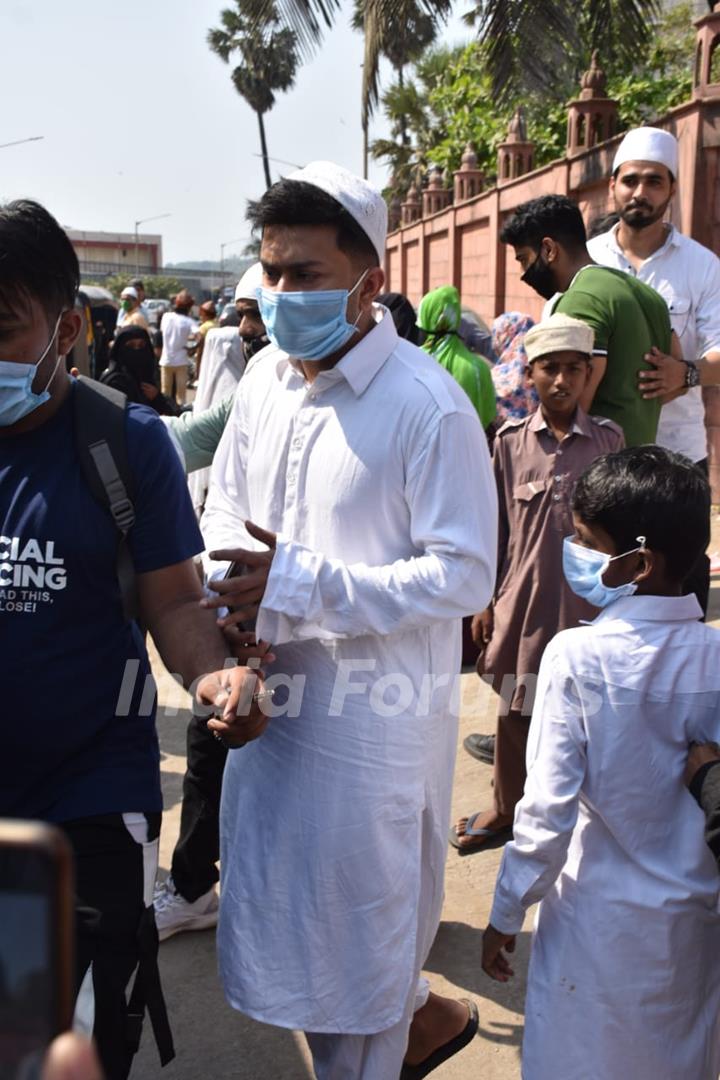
column 248, row 283
column 648, row 144
column 361, row 200
column 129, row 291
column 558, row 333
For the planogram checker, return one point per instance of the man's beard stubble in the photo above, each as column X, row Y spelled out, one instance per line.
column 636, row 217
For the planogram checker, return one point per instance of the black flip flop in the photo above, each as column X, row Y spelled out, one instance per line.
column 493, row 837
column 448, row 1049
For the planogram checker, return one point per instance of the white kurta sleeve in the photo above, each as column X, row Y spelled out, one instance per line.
column 546, row 815
column 452, row 502
column 227, row 504
column 707, row 313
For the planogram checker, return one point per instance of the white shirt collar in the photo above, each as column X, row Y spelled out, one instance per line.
column 653, row 609
column 361, row 364
column 611, row 241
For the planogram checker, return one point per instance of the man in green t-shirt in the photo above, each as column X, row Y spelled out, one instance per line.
column 627, row 316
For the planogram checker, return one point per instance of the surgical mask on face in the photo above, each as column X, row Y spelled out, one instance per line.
column 584, row 570
column 539, row 277
column 308, row 325
column 17, row 399
column 252, row 345
column 126, row 305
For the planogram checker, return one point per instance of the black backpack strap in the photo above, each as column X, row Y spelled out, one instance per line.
column 101, row 446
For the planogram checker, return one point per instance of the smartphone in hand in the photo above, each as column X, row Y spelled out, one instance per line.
column 36, row 944
column 239, row 570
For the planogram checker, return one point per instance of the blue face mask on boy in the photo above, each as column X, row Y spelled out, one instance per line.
column 584, row 570
column 17, row 399
column 308, row 325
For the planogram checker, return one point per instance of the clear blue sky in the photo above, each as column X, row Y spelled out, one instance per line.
column 140, row 118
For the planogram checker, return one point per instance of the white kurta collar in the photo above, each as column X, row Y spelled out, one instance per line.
column 653, row 609
column 610, row 240
column 359, row 366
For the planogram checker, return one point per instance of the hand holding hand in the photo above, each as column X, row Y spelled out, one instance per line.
column 230, row 693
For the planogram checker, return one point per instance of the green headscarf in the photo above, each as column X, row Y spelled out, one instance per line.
column 439, row 316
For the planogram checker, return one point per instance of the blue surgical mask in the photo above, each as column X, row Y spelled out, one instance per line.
column 307, row 325
column 17, row 399
column 584, row 570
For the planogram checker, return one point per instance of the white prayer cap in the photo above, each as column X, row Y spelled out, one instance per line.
column 129, row 291
column 558, row 333
column 248, row 283
column 361, row 200
column 648, row 144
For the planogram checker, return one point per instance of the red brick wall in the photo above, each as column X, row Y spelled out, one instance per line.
column 461, row 246
column 474, row 247
column 437, row 254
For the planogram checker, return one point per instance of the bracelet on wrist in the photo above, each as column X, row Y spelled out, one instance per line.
column 692, row 374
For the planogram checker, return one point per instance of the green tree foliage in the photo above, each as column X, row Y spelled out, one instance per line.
column 450, row 101
column 401, row 32
column 268, row 55
column 157, row 286
column 532, row 45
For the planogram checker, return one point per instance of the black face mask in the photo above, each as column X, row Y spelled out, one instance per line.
column 253, row 345
column 540, row 277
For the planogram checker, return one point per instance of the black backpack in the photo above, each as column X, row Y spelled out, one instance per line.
column 101, row 446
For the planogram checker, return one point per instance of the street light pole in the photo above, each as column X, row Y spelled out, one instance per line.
column 138, row 223
column 19, row 142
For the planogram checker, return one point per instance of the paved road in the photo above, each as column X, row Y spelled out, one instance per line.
column 215, row 1043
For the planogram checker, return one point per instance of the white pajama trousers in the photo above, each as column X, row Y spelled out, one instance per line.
column 380, row 1056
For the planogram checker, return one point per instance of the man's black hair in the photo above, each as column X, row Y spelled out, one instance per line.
column 295, row 202
column 555, row 216
column 601, row 224
column 137, row 283
column 652, row 492
column 37, row 260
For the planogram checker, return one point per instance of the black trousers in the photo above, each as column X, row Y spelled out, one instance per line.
column 116, row 934
column 698, row 580
column 194, row 861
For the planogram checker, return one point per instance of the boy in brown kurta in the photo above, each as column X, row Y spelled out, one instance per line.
column 536, row 462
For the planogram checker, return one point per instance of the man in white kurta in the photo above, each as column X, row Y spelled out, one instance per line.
column 624, row 978
column 375, row 477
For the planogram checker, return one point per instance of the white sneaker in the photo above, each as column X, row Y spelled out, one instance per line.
column 173, row 913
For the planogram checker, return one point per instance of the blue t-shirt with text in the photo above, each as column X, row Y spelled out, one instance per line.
column 78, row 721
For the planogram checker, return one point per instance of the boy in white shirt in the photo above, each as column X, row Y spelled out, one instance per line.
column 623, row 979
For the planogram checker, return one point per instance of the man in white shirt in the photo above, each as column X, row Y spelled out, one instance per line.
column 687, row 276
column 177, row 328
column 342, row 449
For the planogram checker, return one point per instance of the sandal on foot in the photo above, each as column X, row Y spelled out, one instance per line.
column 487, row 837
column 447, row 1050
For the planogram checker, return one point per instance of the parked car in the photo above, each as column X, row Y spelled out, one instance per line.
column 156, row 308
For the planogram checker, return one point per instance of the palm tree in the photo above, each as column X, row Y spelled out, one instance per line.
column 269, row 57
column 409, row 112
column 541, row 45
column 402, row 33
column 526, row 39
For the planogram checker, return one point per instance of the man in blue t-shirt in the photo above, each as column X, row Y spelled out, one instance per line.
column 78, row 731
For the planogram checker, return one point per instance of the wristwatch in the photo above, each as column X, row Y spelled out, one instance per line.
column 692, row 374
